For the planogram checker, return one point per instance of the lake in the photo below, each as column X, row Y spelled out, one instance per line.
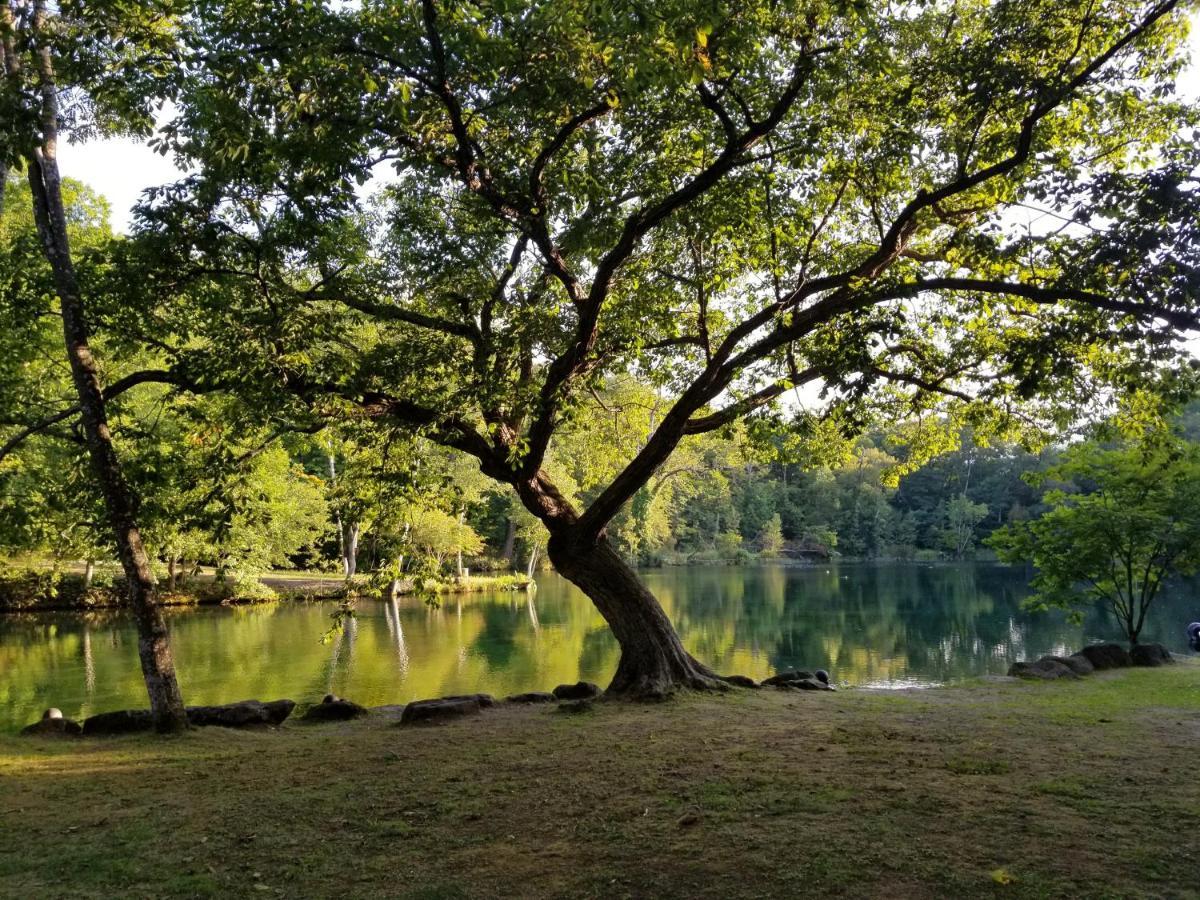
column 881, row 625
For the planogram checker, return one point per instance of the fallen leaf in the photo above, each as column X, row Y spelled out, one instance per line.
column 1002, row 876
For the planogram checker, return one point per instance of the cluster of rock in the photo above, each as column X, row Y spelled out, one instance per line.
column 1090, row 659
column 254, row 713
column 571, row 698
column 243, row 714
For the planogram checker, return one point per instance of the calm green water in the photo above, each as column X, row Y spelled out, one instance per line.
column 881, row 625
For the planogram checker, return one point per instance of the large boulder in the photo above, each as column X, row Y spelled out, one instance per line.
column 1107, row 656
column 52, row 724
column 428, row 712
column 1080, row 663
column 486, row 701
column 121, row 721
column 243, row 714
column 531, row 697
column 388, row 711
column 1150, row 655
column 581, row 690
column 1046, row 668
column 786, row 677
column 334, row 709
column 1076, row 662
column 810, row 684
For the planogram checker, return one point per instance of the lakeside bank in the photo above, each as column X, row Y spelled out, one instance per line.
column 1008, row 789
column 32, row 591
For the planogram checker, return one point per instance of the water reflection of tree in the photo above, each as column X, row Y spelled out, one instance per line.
column 863, row 622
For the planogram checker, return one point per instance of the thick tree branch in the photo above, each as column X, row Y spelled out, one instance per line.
column 399, row 314
column 1052, row 295
column 637, row 225
column 757, row 400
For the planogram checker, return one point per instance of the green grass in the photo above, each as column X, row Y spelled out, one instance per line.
column 1086, row 788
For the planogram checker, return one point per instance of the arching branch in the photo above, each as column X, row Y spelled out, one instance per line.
column 118, row 387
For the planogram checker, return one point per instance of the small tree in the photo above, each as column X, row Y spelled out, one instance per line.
column 962, row 517
column 770, row 538
column 1127, row 519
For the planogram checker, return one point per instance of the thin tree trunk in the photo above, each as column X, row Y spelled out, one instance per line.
column 89, row 574
column 121, row 502
column 534, row 552
column 510, row 540
column 350, row 548
column 172, row 572
column 653, row 663
column 393, row 590
column 462, row 515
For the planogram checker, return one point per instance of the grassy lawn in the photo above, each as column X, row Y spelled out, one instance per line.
column 1086, row 789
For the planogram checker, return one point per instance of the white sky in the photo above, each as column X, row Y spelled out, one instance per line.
column 121, row 169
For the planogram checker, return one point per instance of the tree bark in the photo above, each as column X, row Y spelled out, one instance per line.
column 462, row 517
column 654, row 663
column 89, row 573
column 350, row 548
column 121, row 501
column 510, row 540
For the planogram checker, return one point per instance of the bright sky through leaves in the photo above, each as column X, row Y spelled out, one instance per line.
column 121, row 169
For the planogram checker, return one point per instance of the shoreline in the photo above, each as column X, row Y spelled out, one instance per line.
column 283, row 590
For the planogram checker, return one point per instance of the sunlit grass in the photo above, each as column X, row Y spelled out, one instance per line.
column 751, row 794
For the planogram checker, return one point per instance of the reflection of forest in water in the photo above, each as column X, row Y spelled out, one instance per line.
column 866, row 623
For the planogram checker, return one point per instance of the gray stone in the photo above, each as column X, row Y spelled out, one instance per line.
column 581, row 690
column 1107, row 656
column 486, row 701
column 389, row 710
column 811, row 684
column 531, row 697
column 1150, row 655
column 243, row 714
column 423, row 712
column 1080, row 665
column 121, row 721
column 1045, row 668
column 334, row 709
column 787, row 676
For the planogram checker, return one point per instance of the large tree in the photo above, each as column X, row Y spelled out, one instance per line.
column 62, row 69
column 980, row 207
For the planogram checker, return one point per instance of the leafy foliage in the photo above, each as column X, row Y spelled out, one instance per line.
column 1121, row 521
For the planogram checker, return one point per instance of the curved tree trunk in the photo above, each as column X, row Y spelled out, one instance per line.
column 653, row 663
column 120, row 499
column 350, row 532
